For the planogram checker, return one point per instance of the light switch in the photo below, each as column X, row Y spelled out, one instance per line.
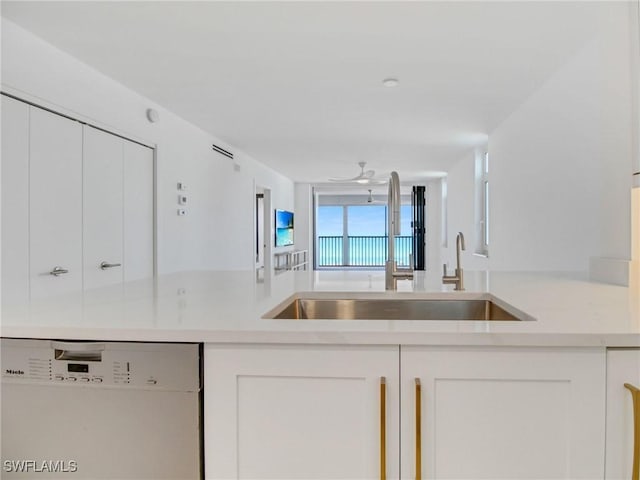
column 181, row 186
column 182, row 199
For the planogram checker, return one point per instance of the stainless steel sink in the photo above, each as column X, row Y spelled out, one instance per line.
column 393, row 309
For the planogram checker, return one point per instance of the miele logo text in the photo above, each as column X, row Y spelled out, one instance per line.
column 9, row 371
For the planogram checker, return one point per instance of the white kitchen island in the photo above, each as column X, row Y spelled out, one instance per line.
column 227, row 307
column 352, row 399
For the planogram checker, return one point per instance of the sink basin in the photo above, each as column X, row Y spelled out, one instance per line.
column 393, row 309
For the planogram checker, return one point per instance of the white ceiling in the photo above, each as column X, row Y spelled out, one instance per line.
column 298, row 85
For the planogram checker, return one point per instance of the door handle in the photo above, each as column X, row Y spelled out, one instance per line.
column 58, row 271
column 105, row 265
column 82, row 351
column 635, row 395
column 383, row 428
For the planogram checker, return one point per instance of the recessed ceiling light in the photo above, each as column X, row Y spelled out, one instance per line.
column 390, row 82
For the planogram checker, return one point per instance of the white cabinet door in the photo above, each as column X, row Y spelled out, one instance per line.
column 504, row 413
column 55, row 194
column 299, row 412
column 138, row 212
column 15, row 202
column 623, row 366
column 102, row 208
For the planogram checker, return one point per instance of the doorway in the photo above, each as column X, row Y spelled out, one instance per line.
column 259, row 243
column 262, row 229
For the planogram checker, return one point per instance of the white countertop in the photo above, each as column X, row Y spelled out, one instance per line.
column 228, row 307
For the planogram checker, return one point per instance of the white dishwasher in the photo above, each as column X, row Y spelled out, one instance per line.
column 100, row 410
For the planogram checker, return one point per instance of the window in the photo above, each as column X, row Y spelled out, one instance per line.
column 367, row 229
column 482, row 204
column 330, row 230
column 350, row 232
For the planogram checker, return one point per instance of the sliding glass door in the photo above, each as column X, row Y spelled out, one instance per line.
column 352, row 235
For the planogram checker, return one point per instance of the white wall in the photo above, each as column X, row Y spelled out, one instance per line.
column 433, row 240
column 462, row 203
column 634, row 26
column 303, row 237
column 560, row 164
column 218, row 231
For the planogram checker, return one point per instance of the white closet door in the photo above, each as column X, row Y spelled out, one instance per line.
column 103, row 208
column 15, row 202
column 56, row 204
column 138, row 212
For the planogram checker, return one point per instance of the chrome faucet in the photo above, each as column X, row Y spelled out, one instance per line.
column 458, row 278
column 392, row 272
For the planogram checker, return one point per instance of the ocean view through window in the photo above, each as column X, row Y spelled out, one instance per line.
column 356, row 236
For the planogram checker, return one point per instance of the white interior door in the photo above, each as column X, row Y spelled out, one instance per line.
column 55, row 195
column 138, row 212
column 259, row 230
column 15, row 202
column 268, row 233
column 102, row 208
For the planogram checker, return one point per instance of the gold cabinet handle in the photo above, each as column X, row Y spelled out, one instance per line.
column 635, row 395
column 418, row 429
column 383, row 428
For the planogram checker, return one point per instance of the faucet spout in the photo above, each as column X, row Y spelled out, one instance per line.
column 459, row 247
column 392, row 272
column 458, row 278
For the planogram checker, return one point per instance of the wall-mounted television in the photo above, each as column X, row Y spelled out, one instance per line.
column 284, row 228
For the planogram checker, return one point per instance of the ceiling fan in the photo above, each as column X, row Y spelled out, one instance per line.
column 365, row 177
column 371, row 201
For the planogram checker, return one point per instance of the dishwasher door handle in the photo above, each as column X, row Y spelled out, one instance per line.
column 82, row 351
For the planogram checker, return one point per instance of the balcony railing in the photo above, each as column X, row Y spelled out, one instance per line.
column 361, row 251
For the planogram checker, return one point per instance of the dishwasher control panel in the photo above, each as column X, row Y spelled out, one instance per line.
column 164, row 366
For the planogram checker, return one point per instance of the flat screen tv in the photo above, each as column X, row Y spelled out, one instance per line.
column 284, row 228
